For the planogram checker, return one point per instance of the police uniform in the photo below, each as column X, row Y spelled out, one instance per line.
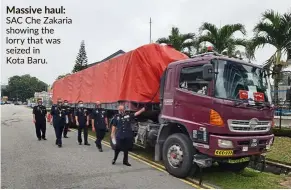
column 40, row 121
column 59, row 120
column 124, row 135
column 68, row 111
column 99, row 116
column 82, row 114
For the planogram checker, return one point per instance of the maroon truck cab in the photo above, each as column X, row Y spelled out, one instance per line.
column 204, row 117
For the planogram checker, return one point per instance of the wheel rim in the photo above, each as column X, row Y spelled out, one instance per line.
column 175, row 156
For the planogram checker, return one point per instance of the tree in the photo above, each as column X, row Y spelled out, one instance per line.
column 178, row 41
column 62, row 76
column 23, row 87
column 222, row 38
column 81, row 60
column 274, row 29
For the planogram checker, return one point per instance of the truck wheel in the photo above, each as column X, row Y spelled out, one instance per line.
column 178, row 155
column 234, row 167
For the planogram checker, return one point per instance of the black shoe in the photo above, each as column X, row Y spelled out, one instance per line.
column 80, row 143
column 66, row 137
column 113, row 162
column 100, row 150
column 87, row 144
column 39, row 139
column 44, row 138
column 126, row 163
column 59, row 145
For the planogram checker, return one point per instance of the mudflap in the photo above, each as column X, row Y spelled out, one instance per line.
column 258, row 162
column 200, row 161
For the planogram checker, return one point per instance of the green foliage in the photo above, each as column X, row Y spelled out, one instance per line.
column 62, row 76
column 81, row 60
column 23, row 87
column 178, row 41
column 283, row 132
column 222, row 38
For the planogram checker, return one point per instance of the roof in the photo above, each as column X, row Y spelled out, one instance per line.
column 109, row 57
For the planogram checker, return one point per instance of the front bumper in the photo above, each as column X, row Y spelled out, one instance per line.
column 242, row 146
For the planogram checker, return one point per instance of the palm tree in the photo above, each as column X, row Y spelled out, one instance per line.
column 250, row 49
column 177, row 40
column 222, row 38
column 274, row 29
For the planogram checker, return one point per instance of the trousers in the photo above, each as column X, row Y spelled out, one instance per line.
column 59, row 130
column 40, row 129
column 80, row 128
column 122, row 145
column 100, row 133
column 66, row 128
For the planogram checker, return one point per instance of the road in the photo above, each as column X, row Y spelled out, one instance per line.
column 29, row 163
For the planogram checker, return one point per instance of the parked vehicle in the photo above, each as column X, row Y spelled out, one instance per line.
column 205, row 109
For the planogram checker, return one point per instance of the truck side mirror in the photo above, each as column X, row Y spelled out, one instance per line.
column 208, row 72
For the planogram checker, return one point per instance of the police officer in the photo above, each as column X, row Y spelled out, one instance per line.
column 69, row 118
column 58, row 113
column 99, row 124
column 122, row 132
column 82, row 121
column 39, row 119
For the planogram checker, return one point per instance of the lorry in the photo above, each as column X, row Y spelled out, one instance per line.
column 201, row 110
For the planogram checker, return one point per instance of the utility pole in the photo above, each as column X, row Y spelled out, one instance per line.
column 150, row 30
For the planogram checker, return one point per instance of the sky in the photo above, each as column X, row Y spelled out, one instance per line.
column 107, row 26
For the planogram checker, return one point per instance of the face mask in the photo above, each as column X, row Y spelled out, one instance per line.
column 39, row 103
column 81, row 105
column 59, row 103
column 66, row 104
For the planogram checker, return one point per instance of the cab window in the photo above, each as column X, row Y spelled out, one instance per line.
column 191, row 79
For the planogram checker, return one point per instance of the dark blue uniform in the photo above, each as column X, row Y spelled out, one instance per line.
column 40, row 123
column 99, row 116
column 82, row 114
column 59, row 120
column 124, row 134
column 68, row 111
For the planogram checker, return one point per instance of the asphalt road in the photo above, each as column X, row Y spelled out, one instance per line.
column 29, row 163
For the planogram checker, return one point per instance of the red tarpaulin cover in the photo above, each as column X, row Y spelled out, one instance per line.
column 133, row 76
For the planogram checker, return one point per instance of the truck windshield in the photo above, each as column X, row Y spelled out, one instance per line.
column 232, row 77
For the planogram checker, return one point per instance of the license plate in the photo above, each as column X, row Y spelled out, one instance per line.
column 246, row 159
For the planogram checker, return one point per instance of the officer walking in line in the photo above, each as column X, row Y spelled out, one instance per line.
column 99, row 124
column 82, row 121
column 122, row 132
column 69, row 118
column 39, row 119
column 58, row 114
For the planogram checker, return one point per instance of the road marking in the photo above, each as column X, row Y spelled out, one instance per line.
column 154, row 165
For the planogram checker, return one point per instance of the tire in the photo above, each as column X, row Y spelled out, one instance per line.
column 238, row 167
column 185, row 144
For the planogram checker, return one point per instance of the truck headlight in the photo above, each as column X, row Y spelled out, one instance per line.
column 225, row 143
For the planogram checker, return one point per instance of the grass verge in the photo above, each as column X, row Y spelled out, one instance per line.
column 248, row 179
column 281, row 151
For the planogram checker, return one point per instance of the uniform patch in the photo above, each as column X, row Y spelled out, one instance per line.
column 127, row 116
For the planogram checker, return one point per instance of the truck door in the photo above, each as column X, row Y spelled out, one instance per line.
column 191, row 105
column 168, row 94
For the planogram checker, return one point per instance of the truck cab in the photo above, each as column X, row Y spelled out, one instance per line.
column 213, row 109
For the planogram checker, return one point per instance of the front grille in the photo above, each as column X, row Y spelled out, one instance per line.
column 252, row 125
